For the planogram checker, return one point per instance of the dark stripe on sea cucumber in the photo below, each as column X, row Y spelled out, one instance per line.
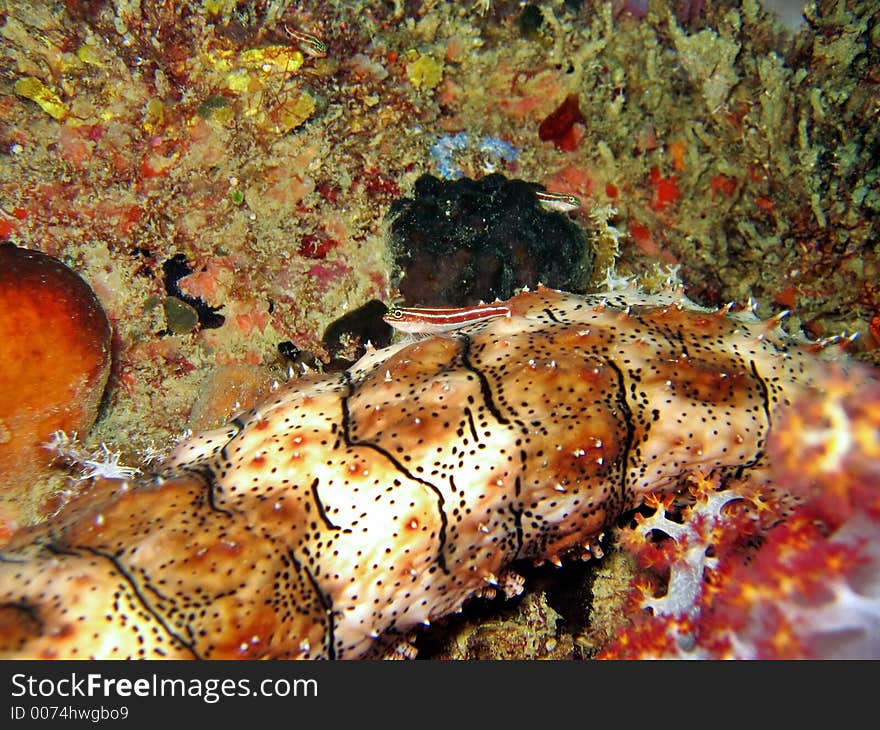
column 320, row 506
column 517, row 522
column 441, row 500
column 206, row 473
column 630, row 431
column 162, row 597
column 143, row 601
column 765, row 400
column 485, row 388
column 57, row 550
column 240, row 426
column 470, row 417
column 326, row 604
column 765, row 397
column 673, row 336
column 549, row 313
column 6, row 559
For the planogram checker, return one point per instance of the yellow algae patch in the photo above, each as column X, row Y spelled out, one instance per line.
column 272, row 59
column 424, row 72
column 218, row 109
column 35, row 90
column 268, row 59
column 293, row 112
column 70, row 64
column 154, row 114
column 90, row 54
column 215, row 7
column 238, row 81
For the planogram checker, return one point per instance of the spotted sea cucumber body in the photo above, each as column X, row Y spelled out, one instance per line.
column 349, row 509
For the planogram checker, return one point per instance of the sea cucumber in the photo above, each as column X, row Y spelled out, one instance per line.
column 348, row 509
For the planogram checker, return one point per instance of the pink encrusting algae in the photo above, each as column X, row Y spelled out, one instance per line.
column 347, row 510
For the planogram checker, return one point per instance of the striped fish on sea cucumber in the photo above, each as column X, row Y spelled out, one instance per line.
column 431, row 320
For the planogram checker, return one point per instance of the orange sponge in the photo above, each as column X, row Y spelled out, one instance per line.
column 54, row 361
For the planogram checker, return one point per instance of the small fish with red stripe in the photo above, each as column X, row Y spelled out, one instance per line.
column 430, row 320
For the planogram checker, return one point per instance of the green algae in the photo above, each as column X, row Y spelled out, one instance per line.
column 180, row 317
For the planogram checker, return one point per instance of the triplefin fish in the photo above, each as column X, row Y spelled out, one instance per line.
column 349, row 509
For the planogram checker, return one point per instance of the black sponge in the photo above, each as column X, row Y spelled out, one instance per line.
column 457, row 242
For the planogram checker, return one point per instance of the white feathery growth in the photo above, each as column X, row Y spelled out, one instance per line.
column 102, row 462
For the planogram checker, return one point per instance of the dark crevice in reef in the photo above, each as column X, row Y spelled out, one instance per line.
column 566, row 590
column 174, row 269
